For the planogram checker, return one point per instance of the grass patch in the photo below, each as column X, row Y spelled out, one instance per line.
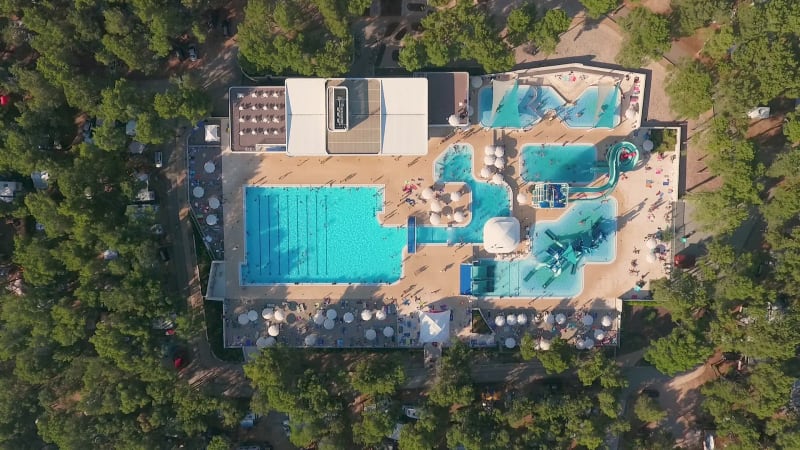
column 214, row 326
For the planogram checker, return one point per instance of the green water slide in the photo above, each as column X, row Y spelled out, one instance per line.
column 621, row 157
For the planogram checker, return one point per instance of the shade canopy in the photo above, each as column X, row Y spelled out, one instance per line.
column 587, row 320
column 499, row 151
column 243, row 319
column 544, row 344
column 212, row 133
column 319, row 317
column 348, row 317
column 651, row 243
column 279, row 315
column 436, row 219
column 436, row 206
column 213, row 203
column 459, row 217
column 434, row 327
column 599, row 335
column 328, row 324
column 500, row 163
column 605, row 321
column 370, row 334
column 647, row 145
column 427, row 193
column 522, row 319
column 331, row 314
column 388, row 331
column 511, row 342
column 380, row 315
column 212, row 219
column 501, row 234
column 511, row 319
column 273, row 330
column 488, row 150
column 455, row 196
column 588, row 343
column 561, row 319
column 522, row 199
column 486, row 172
column 198, row 191
column 499, row 321
column 252, row 315
column 310, row 340
column 497, row 178
column 209, row 167
column 489, row 160
column 366, row 314
column 266, row 313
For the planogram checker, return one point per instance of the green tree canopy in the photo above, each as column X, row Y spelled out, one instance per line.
column 597, row 8
column 689, row 88
column 377, row 376
column 681, row 350
column 646, row 37
column 648, row 410
column 453, row 380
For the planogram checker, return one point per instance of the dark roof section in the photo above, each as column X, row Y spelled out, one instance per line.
column 363, row 134
column 258, row 118
column 448, row 94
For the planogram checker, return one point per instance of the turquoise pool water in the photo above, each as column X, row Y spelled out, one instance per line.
column 527, row 277
column 319, row 234
column 520, row 117
column 573, row 163
column 488, row 200
column 591, row 111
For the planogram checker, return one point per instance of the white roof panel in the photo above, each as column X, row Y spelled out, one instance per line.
column 405, row 96
column 404, row 134
column 305, row 96
column 305, row 134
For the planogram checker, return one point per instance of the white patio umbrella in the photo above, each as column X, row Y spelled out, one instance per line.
column 587, row 319
column 198, row 191
column 370, row 334
column 209, row 167
column 436, row 206
column 266, row 313
column 550, row 319
column 348, row 317
column 331, row 314
column 273, row 330
column 328, row 324
column 497, row 178
column 511, row 342
column 651, row 257
column 499, row 321
column 436, row 219
column 475, row 82
column 490, row 340
column 544, row 344
column 489, row 160
column 651, row 243
column 212, row 219
column 427, row 193
column 310, row 340
column 459, row 217
column 605, row 321
column 488, row 150
column 588, row 343
column 319, row 317
column 647, row 145
column 522, row 319
column 599, row 335
column 453, row 120
column 499, row 151
column 511, row 319
column 455, row 196
column 270, row 342
column 561, row 318
column 380, row 315
column 486, row 172
column 261, row 342
column 500, row 163
column 243, row 319
column 252, row 315
column 522, row 199
column 213, row 202
column 279, row 315
column 366, row 315
column 579, row 344
column 388, row 331
column 630, row 113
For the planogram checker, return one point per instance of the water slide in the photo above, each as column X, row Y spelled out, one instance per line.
column 616, row 165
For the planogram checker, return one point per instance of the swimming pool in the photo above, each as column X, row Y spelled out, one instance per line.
column 527, row 277
column 509, row 116
column 597, row 107
column 572, row 163
column 488, row 200
column 319, row 234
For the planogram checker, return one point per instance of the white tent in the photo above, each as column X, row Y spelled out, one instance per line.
column 500, row 163
column 436, row 219
column 561, row 318
column 587, row 319
column 511, row 319
column 198, row 191
column 328, row 324
column 499, row 151
column 436, row 206
column 212, row 133
column 252, row 315
column 243, row 319
column 544, row 344
column 599, row 335
column 497, row 178
column 522, row 199
column 266, row 313
column 388, row 331
column 605, row 321
column 273, row 330
column 380, row 315
column 588, row 343
column 489, row 160
column 212, row 219
column 370, row 334
column 348, row 317
column 486, row 172
column 651, row 243
column 455, row 196
column 209, row 167
column 579, row 344
column 511, row 342
column 331, row 314
column 270, row 342
column 501, row 235
column 213, row 202
column 366, row 314
column 434, row 327
column 459, row 217
column 279, row 315
column 488, row 150
column 319, row 317
column 427, row 193
column 311, row 339
column 647, row 145
column 499, row 321
column 522, row 319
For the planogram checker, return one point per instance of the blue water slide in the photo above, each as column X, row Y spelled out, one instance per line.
column 615, row 167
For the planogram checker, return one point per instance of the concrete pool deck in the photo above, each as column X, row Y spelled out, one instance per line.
column 431, row 274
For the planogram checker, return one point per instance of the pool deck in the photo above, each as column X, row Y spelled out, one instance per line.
column 431, row 275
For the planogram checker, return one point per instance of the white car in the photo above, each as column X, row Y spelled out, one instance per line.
column 159, row 159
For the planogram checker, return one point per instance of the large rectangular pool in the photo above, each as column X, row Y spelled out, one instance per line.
column 572, row 163
column 319, row 234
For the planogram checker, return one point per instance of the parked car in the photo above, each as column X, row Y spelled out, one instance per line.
column 192, row 53
column 180, row 53
column 159, row 161
column 226, row 28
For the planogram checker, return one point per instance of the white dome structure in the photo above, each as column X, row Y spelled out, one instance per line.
column 331, row 314
column 252, row 315
column 348, row 317
column 279, row 315
column 436, row 219
column 500, row 163
column 319, row 318
column 380, row 315
column 243, row 319
column 499, row 151
column 427, row 193
column 511, row 319
column 522, row 198
column 458, row 216
column 270, row 341
column 266, row 313
column 605, row 321
column 489, row 160
column 522, row 319
column 488, row 150
column 455, row 196
column 588, row 343
column 436, row 206
column 599, row 335
column 388, row 331
column 501, row 235
column 486, row 172
column 587, row 319
column 497, row 178
column 544, row 344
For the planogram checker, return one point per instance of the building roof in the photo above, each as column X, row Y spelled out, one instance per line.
column 501, row 234
column 305, row 116
column 258, row 117
column 434, row 327
column 8, row 189
column 448, row 95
